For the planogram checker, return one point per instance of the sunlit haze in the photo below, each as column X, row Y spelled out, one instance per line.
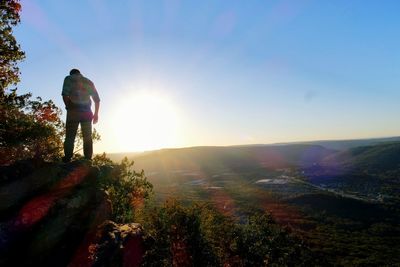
column 143, row 121
column 186, row 73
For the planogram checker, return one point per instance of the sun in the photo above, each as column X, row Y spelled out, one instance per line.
column 145, row 121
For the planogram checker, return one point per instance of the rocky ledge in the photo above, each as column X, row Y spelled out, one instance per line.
column 54, row 214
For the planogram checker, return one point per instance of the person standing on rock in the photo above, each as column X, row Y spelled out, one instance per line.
column 77, row 93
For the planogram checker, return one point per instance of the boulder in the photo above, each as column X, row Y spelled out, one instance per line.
column 49, row 212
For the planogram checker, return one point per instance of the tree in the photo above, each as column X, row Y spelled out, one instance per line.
column 10, row 50
column 28, row 128
column 126, row 188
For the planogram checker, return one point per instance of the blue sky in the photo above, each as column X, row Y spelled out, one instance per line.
column 221, row 72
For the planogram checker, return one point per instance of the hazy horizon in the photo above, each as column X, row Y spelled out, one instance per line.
column 254, row 144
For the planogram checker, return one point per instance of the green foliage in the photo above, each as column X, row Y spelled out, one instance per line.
column 182, row 236
column 127, row 188
column 350, row 232
column 256, row 239
column 102, row 160
column 199, row 235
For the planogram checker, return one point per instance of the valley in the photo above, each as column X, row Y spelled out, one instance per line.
column 343, row 204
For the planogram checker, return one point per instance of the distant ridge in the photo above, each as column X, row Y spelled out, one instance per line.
column 328, row 144
column 352, row 143
column 232, row 157
column 340, row 144
column 378, row 157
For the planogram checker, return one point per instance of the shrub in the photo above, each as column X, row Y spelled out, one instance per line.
column 127, row 188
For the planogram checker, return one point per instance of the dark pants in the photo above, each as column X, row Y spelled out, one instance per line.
column 74, row 118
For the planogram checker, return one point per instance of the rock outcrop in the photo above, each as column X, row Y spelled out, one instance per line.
column 56, row 214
